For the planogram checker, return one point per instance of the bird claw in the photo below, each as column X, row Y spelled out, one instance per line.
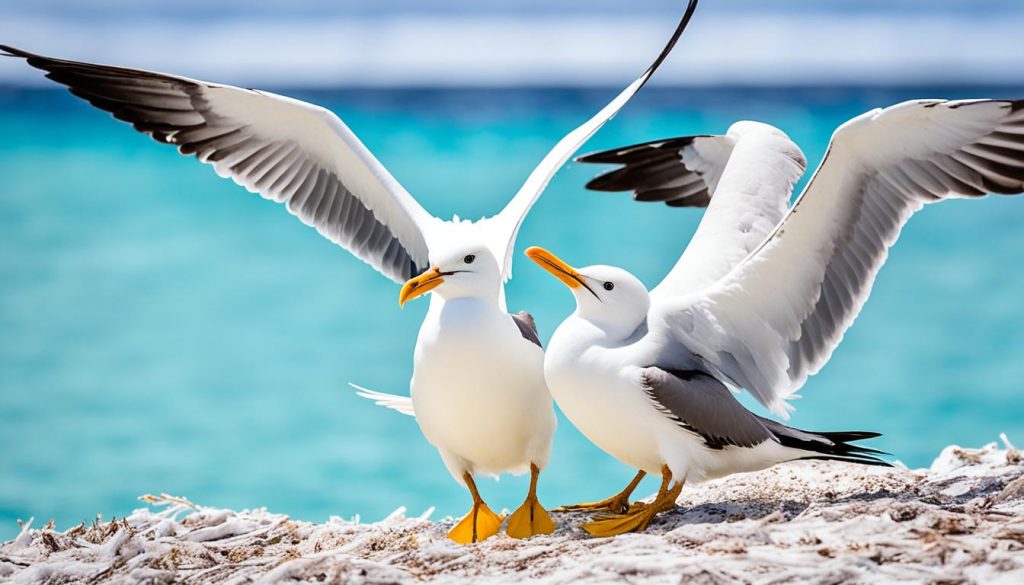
column 615, row 505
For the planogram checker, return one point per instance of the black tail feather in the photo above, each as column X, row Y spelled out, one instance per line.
column 861, row 461
column 846, row 436
column 832, row 446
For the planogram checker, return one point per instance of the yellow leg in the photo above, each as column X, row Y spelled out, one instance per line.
column 480, row 523
column 617, row 504
column 531, row 518
column 638, row 519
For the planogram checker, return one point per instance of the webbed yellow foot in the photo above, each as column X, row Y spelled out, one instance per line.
column 479, row 524
column 614, row 524
column 639, row 515
column 529, row 520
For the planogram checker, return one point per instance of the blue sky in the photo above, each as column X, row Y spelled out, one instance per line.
column 532, row 42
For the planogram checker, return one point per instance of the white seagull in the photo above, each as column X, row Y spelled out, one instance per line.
column 760, row 298
column 478, row 389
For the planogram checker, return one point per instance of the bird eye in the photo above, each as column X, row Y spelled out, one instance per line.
column 609, row 285
column 469, row 259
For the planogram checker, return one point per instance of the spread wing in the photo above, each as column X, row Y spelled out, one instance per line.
column 286, row 150
column 506, row 224
column 777, row 317
column 745, row 179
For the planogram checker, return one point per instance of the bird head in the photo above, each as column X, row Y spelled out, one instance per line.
column 611, row 298
column 464, row 271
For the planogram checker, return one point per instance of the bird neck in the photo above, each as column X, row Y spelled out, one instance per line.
column 615, row 330
column 466, row 302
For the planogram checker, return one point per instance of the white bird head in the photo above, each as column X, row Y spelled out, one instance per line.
column 609, row 297
column 467, row 270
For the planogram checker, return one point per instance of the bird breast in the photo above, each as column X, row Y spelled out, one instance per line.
column 478, row 387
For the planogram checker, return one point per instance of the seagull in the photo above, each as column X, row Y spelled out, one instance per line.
column 477, row 390
column 761, row 297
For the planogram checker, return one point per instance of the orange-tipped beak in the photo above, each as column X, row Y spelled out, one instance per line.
column 420, row 285
column 562, row 271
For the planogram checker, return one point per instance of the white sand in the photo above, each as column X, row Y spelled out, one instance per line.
column 960, row 521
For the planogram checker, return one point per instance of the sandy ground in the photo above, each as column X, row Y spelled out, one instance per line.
column 960, row 521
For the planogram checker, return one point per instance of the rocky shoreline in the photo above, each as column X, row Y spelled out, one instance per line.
column 960, row 521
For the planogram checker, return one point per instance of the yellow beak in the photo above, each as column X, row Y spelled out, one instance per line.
column 420, row 285
column 562, row 271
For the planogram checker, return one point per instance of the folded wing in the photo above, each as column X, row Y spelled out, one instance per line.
column 777, row 317
column 701, row 404
column 286, row 150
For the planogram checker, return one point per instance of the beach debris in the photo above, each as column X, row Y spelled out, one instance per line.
column 961, row 520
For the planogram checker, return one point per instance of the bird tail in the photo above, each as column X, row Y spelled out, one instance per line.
column 402, row 404
column 832, row 446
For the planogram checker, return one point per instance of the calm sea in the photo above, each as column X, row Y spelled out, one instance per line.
column 162, row 330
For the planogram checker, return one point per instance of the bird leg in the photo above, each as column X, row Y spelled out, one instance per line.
column 531, row 518
column 480, row 523
column 617, row 504
column 638, row 519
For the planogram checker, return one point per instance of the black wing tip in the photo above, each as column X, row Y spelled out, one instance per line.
column 623, row 153
column 613, row 181
column 41, row 62
column 9, row 51
column 691, row 7
column 699, row 200
column 604, row 156
column 603, row 184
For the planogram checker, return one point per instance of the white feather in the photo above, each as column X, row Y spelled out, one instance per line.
column 776, row 317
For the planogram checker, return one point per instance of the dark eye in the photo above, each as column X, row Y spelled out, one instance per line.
column 469, row 259
column 609, row 286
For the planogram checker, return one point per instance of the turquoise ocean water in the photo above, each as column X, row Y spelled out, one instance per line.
column 162, row 330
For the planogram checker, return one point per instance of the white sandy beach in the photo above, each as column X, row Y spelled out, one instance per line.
column 962, row 520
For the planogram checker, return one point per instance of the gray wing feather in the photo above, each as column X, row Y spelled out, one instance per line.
column 527, row 327
column 703, row 405
column 777, row 317
column 349, row 210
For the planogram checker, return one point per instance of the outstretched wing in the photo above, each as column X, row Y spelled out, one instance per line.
column 777, row 317
column 286, row 150
column 745, row 178
column 506, row 224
